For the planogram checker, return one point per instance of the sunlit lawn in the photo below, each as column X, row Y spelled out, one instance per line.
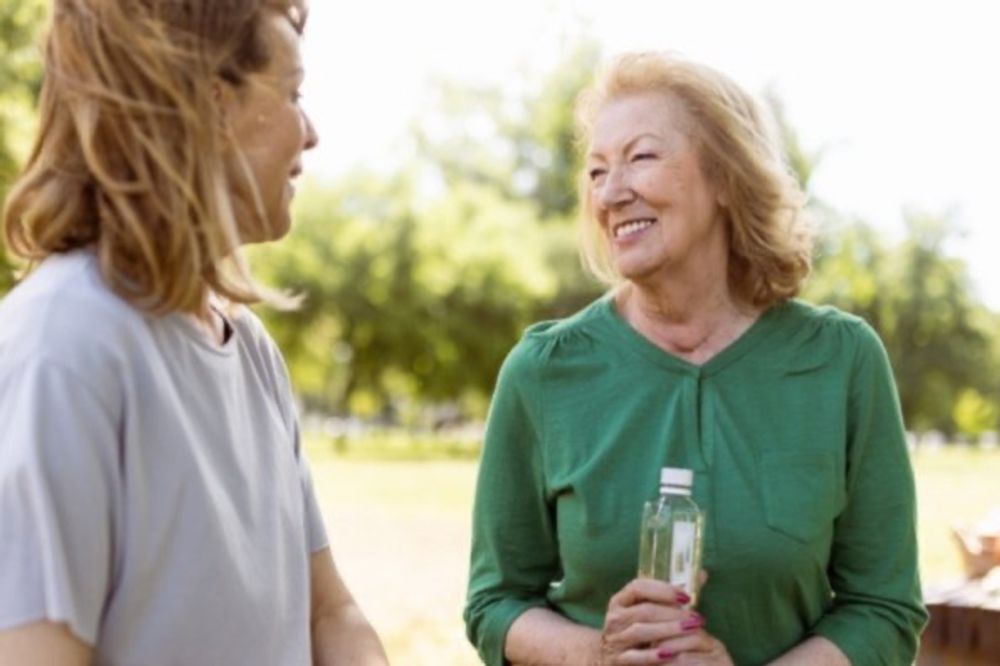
column 400, row 532
column 954, row 486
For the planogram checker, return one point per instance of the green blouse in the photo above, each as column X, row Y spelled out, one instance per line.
column 797, row 445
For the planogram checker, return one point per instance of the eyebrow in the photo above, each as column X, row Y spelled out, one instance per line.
column 634, row 140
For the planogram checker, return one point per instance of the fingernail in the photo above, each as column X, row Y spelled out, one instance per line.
column 683, row 598
column 692, row 623
column 664, row 654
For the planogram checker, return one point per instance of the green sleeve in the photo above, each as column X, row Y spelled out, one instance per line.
column 514, row 550
column 877, row 613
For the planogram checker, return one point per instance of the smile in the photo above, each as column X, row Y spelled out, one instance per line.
column 632, row 227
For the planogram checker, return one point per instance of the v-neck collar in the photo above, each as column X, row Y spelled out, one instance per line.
column 634, row 340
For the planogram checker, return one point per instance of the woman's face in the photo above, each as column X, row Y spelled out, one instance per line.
column 272, row 131
column 651, row 199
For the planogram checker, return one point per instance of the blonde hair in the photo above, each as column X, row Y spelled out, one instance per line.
column 131, row 152
column 770, row 238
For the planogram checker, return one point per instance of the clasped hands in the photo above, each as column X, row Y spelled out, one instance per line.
column 648, row 622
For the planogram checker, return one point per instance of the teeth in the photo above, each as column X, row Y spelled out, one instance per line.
column 632, row 227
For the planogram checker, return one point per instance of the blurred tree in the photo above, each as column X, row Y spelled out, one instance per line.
column 417, row 284
column 404, row 303
column 920, row 301
column 917, row 297
column 20, row 78
column 524, row 147
column 523, row 144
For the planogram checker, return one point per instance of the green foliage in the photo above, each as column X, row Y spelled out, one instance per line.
column 524, row 146
column 919, row 300
column 975, row 413
column 404, row 303
column 415, row 293
column 20, row 78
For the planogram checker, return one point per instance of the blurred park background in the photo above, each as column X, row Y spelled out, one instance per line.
column 428, row 239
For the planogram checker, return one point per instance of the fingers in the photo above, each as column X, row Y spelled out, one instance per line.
column 649, row 590
column 696, row 643
column 644, row 621
column 644, row 633
column 638, row 657
column 618, row 617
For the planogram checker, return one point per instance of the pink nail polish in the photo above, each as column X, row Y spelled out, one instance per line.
column 664, row 654
column 683, row 598
column 692, row 623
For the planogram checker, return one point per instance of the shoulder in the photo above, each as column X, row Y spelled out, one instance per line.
column 558, row 342
column 63, row 311
column 252, row 334
column 258, row 349
column 826, row 321
column 820, row 334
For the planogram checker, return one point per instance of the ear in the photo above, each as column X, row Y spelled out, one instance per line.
column 224, row 96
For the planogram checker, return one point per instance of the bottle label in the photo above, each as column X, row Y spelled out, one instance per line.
column 682, row 555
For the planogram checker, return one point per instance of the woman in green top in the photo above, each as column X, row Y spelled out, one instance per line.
column 701, row 358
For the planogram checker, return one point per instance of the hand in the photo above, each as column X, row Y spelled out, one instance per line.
column 695, row 648
column 642, row 620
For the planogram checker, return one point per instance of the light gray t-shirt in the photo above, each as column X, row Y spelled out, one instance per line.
column 152, row 490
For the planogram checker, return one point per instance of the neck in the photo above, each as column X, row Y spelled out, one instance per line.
column 694, row 321
column 210, row 322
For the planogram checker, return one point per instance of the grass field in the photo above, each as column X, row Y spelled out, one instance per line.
column 400, row 532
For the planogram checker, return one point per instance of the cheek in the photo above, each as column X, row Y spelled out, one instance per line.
column 657, row 187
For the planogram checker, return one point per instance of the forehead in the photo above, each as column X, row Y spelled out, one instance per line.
column 622, row 119
column 283, row 45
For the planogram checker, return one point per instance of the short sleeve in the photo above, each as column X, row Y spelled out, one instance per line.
column 316, row 537
column 280, row 384
column 58, row 473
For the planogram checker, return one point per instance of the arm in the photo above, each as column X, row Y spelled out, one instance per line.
column 877, row 612
column 645, row 624
column 43, row 644
column 540, row 637
column 340, row 632
column 57, row 484
column 815, row 651
column 514, row 545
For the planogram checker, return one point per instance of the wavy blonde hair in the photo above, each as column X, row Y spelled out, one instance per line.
column 133, row 156
column 770, row 237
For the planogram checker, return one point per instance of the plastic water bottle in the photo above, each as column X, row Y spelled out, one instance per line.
column 670, row 537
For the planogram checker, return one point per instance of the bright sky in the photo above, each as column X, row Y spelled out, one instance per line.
column 903, row 95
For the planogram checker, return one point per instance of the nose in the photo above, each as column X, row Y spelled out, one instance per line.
column 615, row 190
column 311, row 137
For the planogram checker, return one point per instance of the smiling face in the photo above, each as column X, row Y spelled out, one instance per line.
column 657, row 210
column 271, row 131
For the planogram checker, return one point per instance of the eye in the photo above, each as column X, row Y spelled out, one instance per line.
column 596, row 173
column 643, row 156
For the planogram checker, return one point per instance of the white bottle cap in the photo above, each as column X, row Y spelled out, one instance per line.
column 676, row 476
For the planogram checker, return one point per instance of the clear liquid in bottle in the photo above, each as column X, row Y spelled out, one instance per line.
column 671, row 533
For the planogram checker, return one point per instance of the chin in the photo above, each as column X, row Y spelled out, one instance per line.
column 276, row 229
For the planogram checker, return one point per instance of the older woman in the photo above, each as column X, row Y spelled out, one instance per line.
column 155, row 505
column 699, row 357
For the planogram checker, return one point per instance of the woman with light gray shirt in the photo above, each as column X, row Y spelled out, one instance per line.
column 155, row 505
